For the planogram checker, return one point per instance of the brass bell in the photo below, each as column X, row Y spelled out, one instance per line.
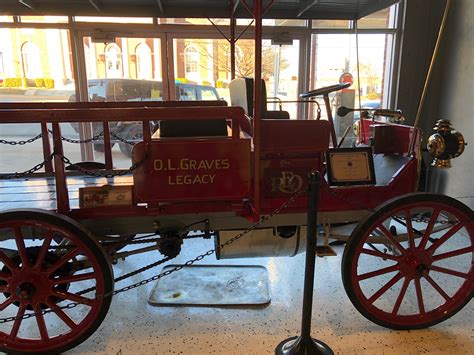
column 445, row 144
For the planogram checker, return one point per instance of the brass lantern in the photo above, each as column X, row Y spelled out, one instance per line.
column 445, row 144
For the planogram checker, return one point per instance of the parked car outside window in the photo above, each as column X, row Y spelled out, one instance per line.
column 103, row 90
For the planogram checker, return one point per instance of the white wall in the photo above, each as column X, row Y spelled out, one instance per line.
column 456, row 93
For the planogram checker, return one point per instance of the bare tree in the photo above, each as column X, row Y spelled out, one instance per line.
column 216, row 58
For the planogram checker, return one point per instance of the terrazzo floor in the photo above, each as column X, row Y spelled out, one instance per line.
column 133, row 326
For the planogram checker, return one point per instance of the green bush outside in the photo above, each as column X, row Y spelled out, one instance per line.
column 39, row 83
column 12, row 82
column 47, row 83
column 220, row 84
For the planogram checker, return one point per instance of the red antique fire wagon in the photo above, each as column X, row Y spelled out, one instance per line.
column 241, row 178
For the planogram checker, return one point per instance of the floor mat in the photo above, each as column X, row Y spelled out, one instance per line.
column 212, row 285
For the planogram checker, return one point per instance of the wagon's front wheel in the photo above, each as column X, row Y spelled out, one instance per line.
column 53, row 276
column 418, row 276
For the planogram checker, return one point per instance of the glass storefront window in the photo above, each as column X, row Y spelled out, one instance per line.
column 44, row 19
column 35, row 65
column 226, row 22
column 335, row 54
column 6, row 18
column 130, row 69
column 127, row 70
column 193, row 21
column 99, row 19
column 331, row 24
column 272, row 22
column 385, row 18
column 204, row 65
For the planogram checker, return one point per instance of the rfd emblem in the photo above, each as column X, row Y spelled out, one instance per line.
column 288, row 183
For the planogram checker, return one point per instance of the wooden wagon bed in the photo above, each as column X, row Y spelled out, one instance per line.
column 41, row 192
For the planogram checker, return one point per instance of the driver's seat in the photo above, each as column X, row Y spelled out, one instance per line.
column 241, row 94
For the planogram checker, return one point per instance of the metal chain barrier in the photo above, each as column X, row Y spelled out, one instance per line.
column 69, row 140
column 79, row 141
column 77, row 167
column 31, row 140
column 160, row 275
column 123, row 140
column 102, row 174
column 29, row 171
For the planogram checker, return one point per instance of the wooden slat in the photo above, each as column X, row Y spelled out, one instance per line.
column 41, row 192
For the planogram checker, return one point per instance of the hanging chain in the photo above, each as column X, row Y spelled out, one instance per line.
column 31, row 140
column 160, row 275
column 123, row 140
column 77, row 167
column 78, row 141
column 102, row 174
column 29, row 171
column 69, row 140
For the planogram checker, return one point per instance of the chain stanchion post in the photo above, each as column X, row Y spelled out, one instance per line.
column 304, row 344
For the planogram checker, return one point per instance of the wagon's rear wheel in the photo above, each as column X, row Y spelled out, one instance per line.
column 48, row 261
column 420, row 275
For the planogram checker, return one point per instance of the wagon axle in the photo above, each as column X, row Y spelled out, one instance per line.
column 25, row 291
column 415, row 264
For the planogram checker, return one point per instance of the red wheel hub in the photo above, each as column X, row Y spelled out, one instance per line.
column 31, row 287
column 415, row 264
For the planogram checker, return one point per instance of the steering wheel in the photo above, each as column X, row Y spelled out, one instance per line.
column 325, row 90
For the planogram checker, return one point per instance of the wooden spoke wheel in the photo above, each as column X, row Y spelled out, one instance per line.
column 420, row 279
column 48, row 261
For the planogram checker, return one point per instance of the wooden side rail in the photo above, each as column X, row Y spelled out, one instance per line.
column 109, row 104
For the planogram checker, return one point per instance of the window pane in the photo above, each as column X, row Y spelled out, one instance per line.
column 193, row 21
column 331, row 24
column 283, row 22
column 6, row 18
column 35, row 66
column 280, row 72
column 44, row 19
column 127, row 70
column 221, row 21
column 272, row 22
column 385, row 18
column 113, row 19
column 113, row 69
column 203, row 64
column 336, row 54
